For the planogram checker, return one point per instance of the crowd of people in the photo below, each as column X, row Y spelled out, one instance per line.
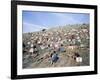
column 56, row 41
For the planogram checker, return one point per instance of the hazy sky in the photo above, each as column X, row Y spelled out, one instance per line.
column 35, row 21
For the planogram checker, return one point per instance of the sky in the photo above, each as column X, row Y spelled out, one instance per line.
column 36, row 21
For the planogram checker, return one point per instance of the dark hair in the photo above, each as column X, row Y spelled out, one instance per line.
column 48, row 45
column 61, row 44
column 54, row 51
column 76, row 54
column 34, row 46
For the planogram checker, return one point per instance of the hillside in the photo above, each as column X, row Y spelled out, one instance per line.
column 69, row 42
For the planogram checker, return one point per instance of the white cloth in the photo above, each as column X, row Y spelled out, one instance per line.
column 31, row 50
column 78, row 59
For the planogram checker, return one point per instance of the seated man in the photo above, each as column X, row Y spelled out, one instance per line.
column 54, row 57
column 33, row 51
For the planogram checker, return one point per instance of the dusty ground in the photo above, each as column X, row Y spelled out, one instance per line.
column 63, row 61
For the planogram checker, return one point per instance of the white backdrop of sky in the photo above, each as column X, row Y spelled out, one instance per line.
column 36, row 21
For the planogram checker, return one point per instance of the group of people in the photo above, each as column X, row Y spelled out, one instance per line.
column 54, row 41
